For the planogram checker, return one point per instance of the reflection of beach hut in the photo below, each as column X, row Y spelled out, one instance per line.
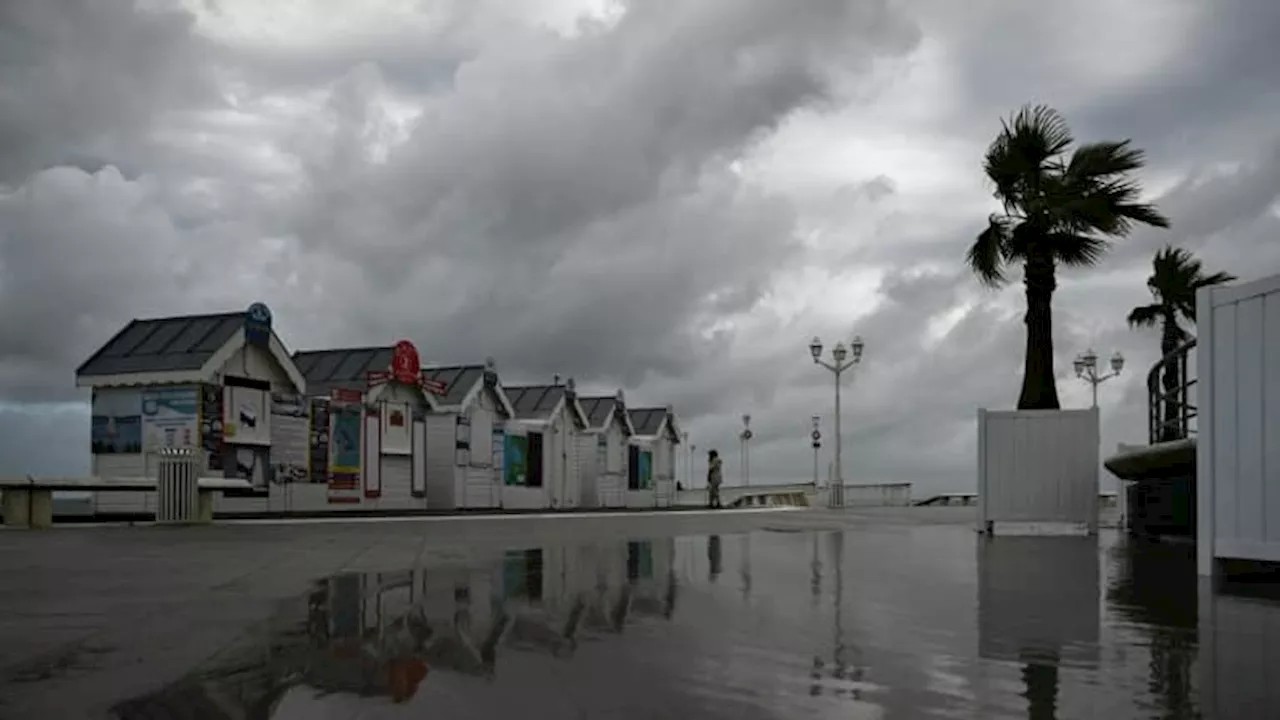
column 602, row 451
column 651, row 477
column 547, row 423
column 204, row 382
column 465, row 437
column 372, row 402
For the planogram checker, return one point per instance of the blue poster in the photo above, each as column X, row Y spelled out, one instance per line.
column 170, row 417
column 344, row 446
column 646, row 470
column 115, row 424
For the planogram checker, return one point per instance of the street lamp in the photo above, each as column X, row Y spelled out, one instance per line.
column 745, row 437
column 841, row 362
column 817, row 443
column 1086, row 365
column 688, row 460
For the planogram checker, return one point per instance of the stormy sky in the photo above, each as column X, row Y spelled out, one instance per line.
column 668, row 197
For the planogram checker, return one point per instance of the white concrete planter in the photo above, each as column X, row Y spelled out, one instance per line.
column 1038, row 471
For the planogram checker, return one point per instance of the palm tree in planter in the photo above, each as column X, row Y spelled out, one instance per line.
column 1057, row 210
column 1176, row 275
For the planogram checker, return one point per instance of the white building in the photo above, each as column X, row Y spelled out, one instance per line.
column 546, row 429
column 466, row 438
column 651, row 478
column 202, row 382
column 603, row 451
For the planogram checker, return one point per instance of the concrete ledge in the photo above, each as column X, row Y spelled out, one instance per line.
column 1149, row 462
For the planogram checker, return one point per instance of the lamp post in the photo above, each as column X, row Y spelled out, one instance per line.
column 688, row 459
column 817, row 443
column 841, row 361
column 745, row 437
column 1086, row 365
column 693, row 463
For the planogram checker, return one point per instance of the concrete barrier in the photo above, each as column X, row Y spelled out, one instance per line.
column 28, row 502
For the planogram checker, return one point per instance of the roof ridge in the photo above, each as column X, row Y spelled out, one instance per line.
column 344, row 349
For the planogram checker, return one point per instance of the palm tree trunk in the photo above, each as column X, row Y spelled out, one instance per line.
column 1039, row 389
column 1171, row 427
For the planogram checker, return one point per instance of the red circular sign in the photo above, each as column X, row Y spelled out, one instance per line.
column 405, row 367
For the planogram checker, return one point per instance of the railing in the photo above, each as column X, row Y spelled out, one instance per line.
column 1170, row 409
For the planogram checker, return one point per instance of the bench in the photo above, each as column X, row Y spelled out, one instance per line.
column 28, row 502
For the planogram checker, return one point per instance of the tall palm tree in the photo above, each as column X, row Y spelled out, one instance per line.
column 1176, row 275
column 1057, row 210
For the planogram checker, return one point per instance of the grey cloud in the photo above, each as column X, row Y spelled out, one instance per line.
column 84, row 79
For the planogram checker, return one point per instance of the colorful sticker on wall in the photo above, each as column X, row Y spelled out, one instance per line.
column 396, row 424
column 246, row 416
column 249, row 463
column 170, row 418
column 115, row 422
column 211, row 441
column 515, row 451
column 318, row 460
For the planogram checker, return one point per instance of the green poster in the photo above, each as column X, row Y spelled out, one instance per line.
column 515, row 460
column 646, row 470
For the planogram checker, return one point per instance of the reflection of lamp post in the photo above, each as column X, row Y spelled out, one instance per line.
column 1086, row 365
column 838, row 355
column 746, row 449
column 816, row 435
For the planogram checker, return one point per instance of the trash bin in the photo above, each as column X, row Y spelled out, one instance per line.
column 177, row 487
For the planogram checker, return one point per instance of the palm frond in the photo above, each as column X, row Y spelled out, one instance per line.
column 989, row 252
column 1076, row 250
column 1218, row 278
column 1024, row 153
column 1104, row 160
column 1145, row 315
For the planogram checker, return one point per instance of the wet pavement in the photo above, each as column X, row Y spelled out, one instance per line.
column 896, row 614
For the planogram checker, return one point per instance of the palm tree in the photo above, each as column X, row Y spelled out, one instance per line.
column 1176, row 275
column 1057, row 210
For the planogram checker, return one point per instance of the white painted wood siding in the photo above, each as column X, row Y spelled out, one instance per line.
column 1238, row 444
column 1038, row 466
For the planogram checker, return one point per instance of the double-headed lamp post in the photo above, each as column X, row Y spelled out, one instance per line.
column 745, row 437
column 841, row 361
column 1086, row 365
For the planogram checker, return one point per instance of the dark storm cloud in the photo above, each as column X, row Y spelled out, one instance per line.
column 81, row 81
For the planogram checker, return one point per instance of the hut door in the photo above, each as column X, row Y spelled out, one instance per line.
column 633, row 467
column 534, row 466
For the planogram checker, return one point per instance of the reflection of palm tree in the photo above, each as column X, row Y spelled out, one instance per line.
column 1040, row 677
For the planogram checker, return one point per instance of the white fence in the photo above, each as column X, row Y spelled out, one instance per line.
column 1038, row 467
column 177, row 487
column 1238, row 399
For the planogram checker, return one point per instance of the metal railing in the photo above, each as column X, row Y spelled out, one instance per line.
column 1170, row 410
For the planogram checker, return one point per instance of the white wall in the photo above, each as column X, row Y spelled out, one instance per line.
column 1038, row 466
column 1238, row 400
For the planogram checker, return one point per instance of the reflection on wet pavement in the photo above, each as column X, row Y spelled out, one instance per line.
column 908, row 623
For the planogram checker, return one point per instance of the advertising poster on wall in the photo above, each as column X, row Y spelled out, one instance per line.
column 248, row 462
column 115, row 421
column 170, row 418
column 211, row 426
column 396, row 423
column 646, row 470
column 318, row 469
column 515, row 451
column 344, row 452
column 246, row 416
column 290, row 438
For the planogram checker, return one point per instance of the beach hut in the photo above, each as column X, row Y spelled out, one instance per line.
column 466, row 437
column 602, row 451
column 367, row 411
column 544, row 432
column 204, row 383
column 651, row 464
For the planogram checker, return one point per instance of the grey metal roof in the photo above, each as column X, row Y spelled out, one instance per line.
column 534, row 402
column 647, row 421
column 345, row 368
column 163, row 344
column 457, row 379
column 597, row 409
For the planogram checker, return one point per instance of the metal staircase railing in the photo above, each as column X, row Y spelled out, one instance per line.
column 1170, row 410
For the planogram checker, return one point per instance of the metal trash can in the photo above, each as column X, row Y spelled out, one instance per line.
column 177, row 487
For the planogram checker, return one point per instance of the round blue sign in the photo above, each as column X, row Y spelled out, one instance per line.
column 259, row 313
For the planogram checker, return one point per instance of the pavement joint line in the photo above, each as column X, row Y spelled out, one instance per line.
column 498, row 518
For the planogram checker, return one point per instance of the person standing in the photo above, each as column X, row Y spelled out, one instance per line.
column 715, row 476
